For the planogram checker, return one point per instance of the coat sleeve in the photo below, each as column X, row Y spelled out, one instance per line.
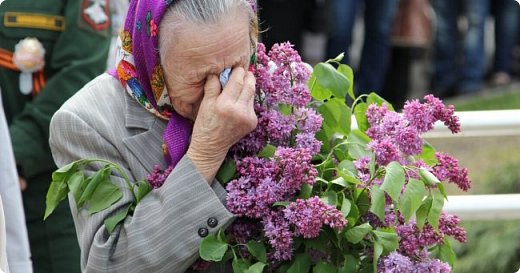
column 163, row 233
column 77, row 57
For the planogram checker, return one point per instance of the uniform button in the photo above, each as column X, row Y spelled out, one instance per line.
column 203, row 232
column 212, row 222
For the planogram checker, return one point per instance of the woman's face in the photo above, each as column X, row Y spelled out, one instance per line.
column 198, row 51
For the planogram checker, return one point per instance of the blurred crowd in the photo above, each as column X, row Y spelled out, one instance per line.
column 450, row 37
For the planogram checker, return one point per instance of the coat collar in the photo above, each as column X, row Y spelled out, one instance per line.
column 145, row 145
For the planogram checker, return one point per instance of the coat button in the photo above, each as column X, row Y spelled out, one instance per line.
column 212, row 222
column 203, row 232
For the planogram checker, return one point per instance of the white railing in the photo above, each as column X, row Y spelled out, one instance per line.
column 482, row 123
column 479, row 124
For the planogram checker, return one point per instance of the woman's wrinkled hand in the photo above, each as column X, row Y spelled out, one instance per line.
column 224, row 117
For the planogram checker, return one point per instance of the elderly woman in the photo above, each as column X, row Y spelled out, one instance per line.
column 163, row 106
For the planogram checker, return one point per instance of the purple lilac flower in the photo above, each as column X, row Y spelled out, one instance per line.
column 308, row 216
column 443, row 113
column 395, row 263
column 431, row 266
column 243, row 230
column 420, row 116
column 256, row 168
column 409, row 141
column 157, row 177
column 448, row 170
column 412, row 240
column 279, row 127
column 296, row 168
column 309, row 141
column 385, row 150
column 450, row 225
column 308, row 121
column 284, row 53
column 280, row 237
column 201, row 265
column 363, row 171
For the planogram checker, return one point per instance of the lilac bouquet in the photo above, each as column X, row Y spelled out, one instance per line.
column 311, row 191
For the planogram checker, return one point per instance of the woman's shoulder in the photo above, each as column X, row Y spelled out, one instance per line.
column 102, row 92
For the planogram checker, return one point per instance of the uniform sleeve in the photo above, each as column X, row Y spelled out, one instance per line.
column 77, row 57
column 167, row 226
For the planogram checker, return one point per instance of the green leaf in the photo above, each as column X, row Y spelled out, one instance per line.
column 56, row 193
column 388, row 239
column 323, row 267
column 142, row 188
column 267, row 152
column 349, row 74
column 112, row 221
column 330, row 198
column 446, row 253
column 281, row 203
column 257, row 249
column 428, row 154
column 441, row 188
column 412, row 198
column 283, row 268
column 318, row 243
column 305, row 191
column 378, row 202
column 340, row 181
column 350, row 265
column 285, row 109
column 300, row 264
column 338, row 58
column 353, row 216
column 357, row 233
column 329, row 78
column 345, row 206
column 347, row 165
column 226, row 171
column 239, row 265
column 256, row 268
column 357, row 142
column 212, row 249
column 428, row 177
column 394, row 180
column 101, row 176
column 104, row 196
column 336, row 115
column 317, row 91
column 77, row 184
column 378, row 250
column 423, row 211
column 361, row 118
column 374, row 98
column 436, row 209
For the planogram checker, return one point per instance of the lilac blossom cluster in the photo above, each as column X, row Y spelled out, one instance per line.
column 158, row 176
column 398, row 263
column 282, row 84
column 395, row 136
column 286, row 123
column 413, row 241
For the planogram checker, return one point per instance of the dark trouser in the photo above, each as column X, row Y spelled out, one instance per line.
column 378, row 19
column 451, row 70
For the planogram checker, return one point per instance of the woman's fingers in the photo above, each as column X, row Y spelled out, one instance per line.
column 235, row 84
column 248, row 91
column 211, row 88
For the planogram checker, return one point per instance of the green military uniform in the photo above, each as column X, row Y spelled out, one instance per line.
column 75, row 35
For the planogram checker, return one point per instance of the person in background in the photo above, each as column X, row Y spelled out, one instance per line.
column 48, row 51
column 378, row 17
column 507, row 26
column 18, row 253
column 411, row 39
column 283, row 20
column 459, row 67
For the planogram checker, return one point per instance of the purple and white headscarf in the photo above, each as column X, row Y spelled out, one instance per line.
column 139, row 70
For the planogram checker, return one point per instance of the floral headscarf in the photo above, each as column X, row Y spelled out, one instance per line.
column 139, row 70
